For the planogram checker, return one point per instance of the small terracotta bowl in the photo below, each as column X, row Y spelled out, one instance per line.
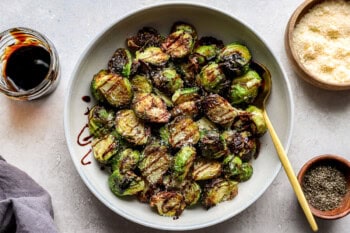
column 344, row 166
column 293, row 56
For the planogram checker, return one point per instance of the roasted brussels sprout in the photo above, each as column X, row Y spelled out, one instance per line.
column 183, row 131
column 100, row 121
column 130, row 127
column 167, row 80
column 235, row 59
column 168, row 203
column 191, row 192
column 141, row 83
column 152, row 55
column 206, row 169
column 218, row 109
column 178, row 44
column 232, row 166
column 145, row 37
column 189, row 108
column 186, row 27
column 125, row 184
column 112, row 87
column 219, row 190
column 257, row 117
column 125, row 160
column 121, row 62
column 183, row 161
column 204, row 124
column 185, row 94
column 244, row 89
column 155, row 162
column 104, row 148
column 246, row 172
column 150, row 107
column 212, row 145
column 241, row 144
column 211, row 78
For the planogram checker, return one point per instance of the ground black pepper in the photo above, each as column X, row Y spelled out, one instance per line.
column 324, row 187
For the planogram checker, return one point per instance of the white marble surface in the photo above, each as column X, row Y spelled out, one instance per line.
column 32, row 133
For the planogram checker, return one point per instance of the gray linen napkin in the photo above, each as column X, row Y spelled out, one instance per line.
column 25, row 207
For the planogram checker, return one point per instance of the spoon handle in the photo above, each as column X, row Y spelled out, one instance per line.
column 290, row 173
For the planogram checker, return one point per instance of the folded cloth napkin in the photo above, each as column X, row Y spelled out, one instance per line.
column 25, row 207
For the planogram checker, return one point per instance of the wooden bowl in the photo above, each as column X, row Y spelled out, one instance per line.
column 293, row 56
column 344, row 166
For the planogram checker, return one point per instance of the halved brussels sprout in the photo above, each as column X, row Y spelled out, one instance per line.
column 188, row 70
column 218, row 109
column 112, row 87
column 100, row 121
column 235, row 59
column 241, row 144
column 189, row 108
column 168, row 203
column 212, row 145
column 191, row 192
column 155, row 162
column 246, row 172
column 121, row 62
column 141, row 83
column 183, row 131
column 152, row 55
column 178, row 44
column 257, row 117
column 206, row 169
column 185, row 94
column 244, row 89
column 232, row 166
column 145, row 37
column 183, row 161
column 167, row 80
column 219, row 190
column 130, row 127
column 104, row 148
column 186, row 27
column 125, row 184
column 208, row 52
column 204, row 124
column 211, row 78
column 150, row 107
column 125, row 160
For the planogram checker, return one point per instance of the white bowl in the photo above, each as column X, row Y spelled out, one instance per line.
column 208, row 22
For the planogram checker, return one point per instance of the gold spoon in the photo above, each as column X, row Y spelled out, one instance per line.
column 261, row 102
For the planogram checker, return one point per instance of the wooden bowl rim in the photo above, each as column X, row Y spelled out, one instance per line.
column 337, row 212
column 300, row 69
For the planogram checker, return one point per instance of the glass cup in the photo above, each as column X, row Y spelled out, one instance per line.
column 15, row 38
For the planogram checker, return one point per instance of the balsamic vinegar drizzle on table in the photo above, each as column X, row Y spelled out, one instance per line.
column 87, row 139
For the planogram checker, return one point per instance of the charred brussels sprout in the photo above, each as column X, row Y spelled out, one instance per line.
column 155, row 162
column 112, row 87
column 211, row 145
column 191, row 192
column 211, row 78
column 244, row 89
column 178, row 44
column 232, row 166
column 130, row 127
column 183, row 161
column 218, row 109
column 185, row 94
column 121, row 62
column 146, row 37
column 219, row 190
column 141, row 83
column 104, row 148
column 183, row 131
column 189, row 108
column 246, row 172
column 206, row 169
column 168, row 203
column 125, row 184
column 100, row 121
column 126, row 160
column 167, row 80
column 235, row 59
column 150, row 107
column 152, row 55
column 257, row 117
column 186, row 27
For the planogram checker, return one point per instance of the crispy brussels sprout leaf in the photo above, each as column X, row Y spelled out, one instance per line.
column 219, row 190
column 183, row 131
column 218, row 109
column 206, row 169
column 183, row 162
column 125, row 184
column 100, row 121
column 104, row 148
column 168, row 203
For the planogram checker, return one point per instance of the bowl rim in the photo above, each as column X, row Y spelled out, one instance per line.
column 109, row 27
column 299, row 68
column 320, row 159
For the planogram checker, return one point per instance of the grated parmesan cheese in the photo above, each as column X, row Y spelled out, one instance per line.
column 322, row 41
